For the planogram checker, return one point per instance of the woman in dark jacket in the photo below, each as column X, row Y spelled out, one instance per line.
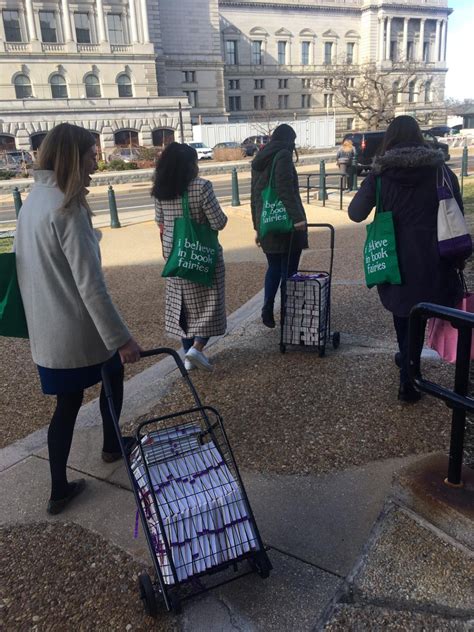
column 408, row 171
column 276, row 246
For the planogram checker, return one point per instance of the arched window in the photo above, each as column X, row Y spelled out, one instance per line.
column 411, row 92
column 22, row 87
column 124, row 86
column 92, row 87
column 428, row 94
column 58, row 87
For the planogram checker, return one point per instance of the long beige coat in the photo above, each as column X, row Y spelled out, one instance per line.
column 72, row 321
column 193, row 309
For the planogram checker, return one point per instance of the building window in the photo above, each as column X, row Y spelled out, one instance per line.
column 426, row 51
column 327, row 53
column 305, row 100
column 328, row 100
column 231, row 52
column 11, row 24
column 410, row 51
column 350, row 82
column 259, row 84
column 259, row 102
column 189, row 76
column 349, row 124
column 305, row 46
column 328, row 84
column 411, row 92
column 394, row 50
column 48, row 26
column 350, row 52
column 234, row 84
column 83, row 28
column 395, row 92
column 58, row 87
column 92, row 87
column 282, row 53
column 234, row 104
column 115, row 28
column 282, row 101
column 282, row 83
column 192, row 97
column 22, row 87
column 124, row 86
column 306, row 84
column 428, row 95
column 257, row 53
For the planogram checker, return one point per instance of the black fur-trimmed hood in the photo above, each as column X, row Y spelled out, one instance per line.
column 408, row 157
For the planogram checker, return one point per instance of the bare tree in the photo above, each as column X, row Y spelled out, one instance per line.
column 373, row 94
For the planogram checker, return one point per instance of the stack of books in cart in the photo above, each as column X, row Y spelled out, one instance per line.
column 204, row 515
column 307, row 299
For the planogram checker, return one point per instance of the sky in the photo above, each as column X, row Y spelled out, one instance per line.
column 460, row 57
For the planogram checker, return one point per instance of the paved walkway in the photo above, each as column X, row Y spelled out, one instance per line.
column 318, row 441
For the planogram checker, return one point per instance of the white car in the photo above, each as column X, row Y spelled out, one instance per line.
column 203, row 151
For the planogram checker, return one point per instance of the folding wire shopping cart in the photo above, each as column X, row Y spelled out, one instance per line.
column 193, row 506
column 306, row 306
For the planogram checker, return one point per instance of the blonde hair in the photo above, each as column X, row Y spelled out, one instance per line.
column 347, row 144
column 62, row 151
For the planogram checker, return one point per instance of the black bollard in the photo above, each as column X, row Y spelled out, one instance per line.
column 114, row 220
column 235, row 188
column 17, row 201
column 354, row 185
column 322, row 195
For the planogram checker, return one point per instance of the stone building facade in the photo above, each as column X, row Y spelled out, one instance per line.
column 84, row 61
column 120, row 67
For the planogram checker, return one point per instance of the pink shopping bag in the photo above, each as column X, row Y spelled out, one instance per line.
column 443, row 338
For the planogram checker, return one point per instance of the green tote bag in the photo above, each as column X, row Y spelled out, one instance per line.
column 380, row 250
column 195, row 249
column 274, row 217
column 12, row 314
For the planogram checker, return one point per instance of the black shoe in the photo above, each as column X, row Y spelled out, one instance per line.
column 75, row 488
column 111, row 457
column 267, row 318
column 408, row 393
column 398, row 359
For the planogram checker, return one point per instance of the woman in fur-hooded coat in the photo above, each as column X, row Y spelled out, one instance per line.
column 408, row 171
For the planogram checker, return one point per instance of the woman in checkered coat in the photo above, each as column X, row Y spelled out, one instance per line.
column 194, row 312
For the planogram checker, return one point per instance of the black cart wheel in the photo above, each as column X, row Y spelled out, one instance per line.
column 282, row 348
column 147, row 595
column 336, row 339
column 261, row 564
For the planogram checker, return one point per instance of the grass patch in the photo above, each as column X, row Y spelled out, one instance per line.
column 468, row 196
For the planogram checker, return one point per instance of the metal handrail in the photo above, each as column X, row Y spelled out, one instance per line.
column 458, row 398
column 326, row 187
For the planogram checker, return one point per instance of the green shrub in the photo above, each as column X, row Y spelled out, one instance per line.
column 6, row 175
column 102, row 165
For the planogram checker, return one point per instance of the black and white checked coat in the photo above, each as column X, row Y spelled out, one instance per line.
column 193, row 309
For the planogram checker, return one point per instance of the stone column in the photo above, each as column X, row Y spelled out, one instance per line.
column 444, row 43
column 421, row 39
column 146, row 30
column 389, row 35
column 405, row 39
column 436, row 55
column 66, row 21
column 381, row 38
column 133, row 22
column 101, row 22
column 30, row 19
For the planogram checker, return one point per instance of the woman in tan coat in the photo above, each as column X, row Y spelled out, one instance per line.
column 72, row 322
column 194, row 312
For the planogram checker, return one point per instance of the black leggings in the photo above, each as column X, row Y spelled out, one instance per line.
column 61, row 430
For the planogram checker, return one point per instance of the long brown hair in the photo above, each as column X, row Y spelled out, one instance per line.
column 62, row 151
column 402, row 130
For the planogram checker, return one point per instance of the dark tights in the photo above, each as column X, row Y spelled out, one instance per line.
column 61, row 430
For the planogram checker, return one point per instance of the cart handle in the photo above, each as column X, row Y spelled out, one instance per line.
column 330, row 227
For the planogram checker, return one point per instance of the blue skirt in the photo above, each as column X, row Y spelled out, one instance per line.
column 64, row 381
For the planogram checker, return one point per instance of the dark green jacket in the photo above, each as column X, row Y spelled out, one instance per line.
column 286, row 182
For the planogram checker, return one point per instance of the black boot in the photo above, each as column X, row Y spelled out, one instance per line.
column 267, row 317
column 408, row 393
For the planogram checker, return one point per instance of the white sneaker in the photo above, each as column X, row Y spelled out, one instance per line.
column 198, row 360
column 188, row 365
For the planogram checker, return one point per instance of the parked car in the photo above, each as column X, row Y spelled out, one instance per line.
column 19, row 156
column 367, row 144
column 442, row 130
column 127, row 154
column 15, row 161
column 203, row 151
column 231, row 144
column 252, row 144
